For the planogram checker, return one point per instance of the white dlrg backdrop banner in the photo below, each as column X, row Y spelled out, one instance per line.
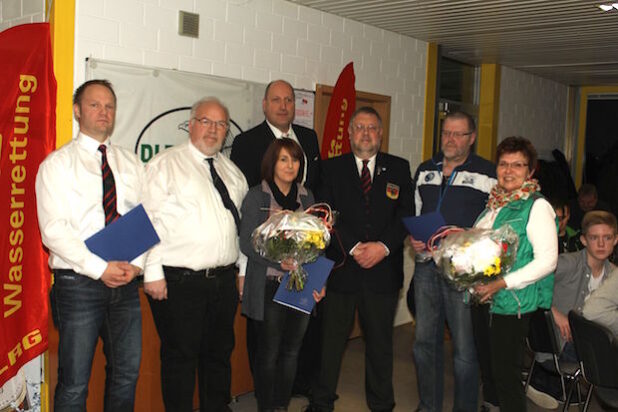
column 154, row 104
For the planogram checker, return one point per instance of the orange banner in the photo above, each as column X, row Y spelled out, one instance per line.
column 27, row 135
column 342, row 104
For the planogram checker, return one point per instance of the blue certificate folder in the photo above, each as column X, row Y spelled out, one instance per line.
column 126, row 238
column 317, row 273
column 424, row 226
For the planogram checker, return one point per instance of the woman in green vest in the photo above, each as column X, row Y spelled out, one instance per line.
column 500, row 337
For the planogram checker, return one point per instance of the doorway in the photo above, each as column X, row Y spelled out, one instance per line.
column 601, row 148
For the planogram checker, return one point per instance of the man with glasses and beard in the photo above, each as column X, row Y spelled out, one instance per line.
column 194, row 195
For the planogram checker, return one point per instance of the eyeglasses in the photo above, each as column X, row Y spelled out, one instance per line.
column 206, row 122
column 360, row 128
column 458, row 135
column 514, row 165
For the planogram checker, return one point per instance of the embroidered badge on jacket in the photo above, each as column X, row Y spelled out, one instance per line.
column 392, row 191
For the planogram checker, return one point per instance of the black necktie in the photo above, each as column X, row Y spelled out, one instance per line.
column 109, row 188
column 225, row 195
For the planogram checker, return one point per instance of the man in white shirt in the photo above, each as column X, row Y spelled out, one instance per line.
column 279, row 106
column 80, row 188
column 193, row 194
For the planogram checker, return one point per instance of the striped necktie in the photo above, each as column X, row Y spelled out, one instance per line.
column 109, row 188
column 365, row 179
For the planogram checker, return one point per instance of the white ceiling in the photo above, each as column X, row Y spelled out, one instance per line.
column 570, row 41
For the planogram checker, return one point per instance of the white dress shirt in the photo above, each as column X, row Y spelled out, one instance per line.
column 371, row 165
column 541, row 231
column 69, row 192
column 196, row 230
column 291, row 135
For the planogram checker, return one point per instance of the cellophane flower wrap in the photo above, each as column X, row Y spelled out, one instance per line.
column 467, row 257
column 301, row 236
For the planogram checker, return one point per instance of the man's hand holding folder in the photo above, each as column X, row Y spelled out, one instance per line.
column 119, row 273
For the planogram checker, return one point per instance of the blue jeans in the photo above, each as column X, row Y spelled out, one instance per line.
column 436, row 302
column 84, row 309
column 280, row 336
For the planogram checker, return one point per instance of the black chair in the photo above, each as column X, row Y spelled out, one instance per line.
column 597, row 350
column 542, row 339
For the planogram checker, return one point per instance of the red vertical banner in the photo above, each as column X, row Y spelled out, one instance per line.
column 342, row 104
column 27, row 135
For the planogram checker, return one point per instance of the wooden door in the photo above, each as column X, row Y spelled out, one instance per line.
column 381, row 103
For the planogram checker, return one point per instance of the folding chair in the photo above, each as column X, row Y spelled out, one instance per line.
column 542, row 339
column 597, row 350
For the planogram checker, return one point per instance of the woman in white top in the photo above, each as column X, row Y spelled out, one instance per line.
column 500, row 334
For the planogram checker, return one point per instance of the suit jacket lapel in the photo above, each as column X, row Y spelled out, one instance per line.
column 379, row 177
column 352, row 168
column 268, row 134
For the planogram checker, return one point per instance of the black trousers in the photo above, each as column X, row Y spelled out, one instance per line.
column 480, row 324
column 280, row 335
column 506, row 348
column 309, row 355
column 196, row 327
column 376, row 313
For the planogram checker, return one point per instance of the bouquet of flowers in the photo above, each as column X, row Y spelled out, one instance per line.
column 468, row 257
column 301, row 236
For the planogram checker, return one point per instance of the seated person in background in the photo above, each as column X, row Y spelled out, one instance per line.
column 577, row 275
column 568, row 238
column 587, row 200
column 602, row 307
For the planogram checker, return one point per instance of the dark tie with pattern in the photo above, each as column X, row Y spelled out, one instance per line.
column 109, row 188
column 225, row 195
column 365, row 180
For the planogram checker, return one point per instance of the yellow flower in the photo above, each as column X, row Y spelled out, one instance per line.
column 497, row 264
column 493, row 269
column 316, row 239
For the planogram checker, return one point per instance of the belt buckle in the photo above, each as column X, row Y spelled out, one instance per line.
column 209, row 273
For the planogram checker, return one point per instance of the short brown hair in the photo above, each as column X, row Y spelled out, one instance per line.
column 272, row 156
column 462, row 116
column 79, row 92
column 366, row 110
column 598, row 217
column 515, row 144
column 587, row 189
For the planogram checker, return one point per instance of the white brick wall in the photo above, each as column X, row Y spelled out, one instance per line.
column 16, row 12
column 261, row 40
column 533, row 107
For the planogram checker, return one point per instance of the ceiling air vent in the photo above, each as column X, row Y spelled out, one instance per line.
column 188, row 24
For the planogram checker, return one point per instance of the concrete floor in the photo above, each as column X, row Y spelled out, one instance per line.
column 351, row 382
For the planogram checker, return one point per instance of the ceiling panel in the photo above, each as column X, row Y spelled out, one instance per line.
column 572, row 42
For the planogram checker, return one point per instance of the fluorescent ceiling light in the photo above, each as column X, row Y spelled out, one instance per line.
column 606, row 7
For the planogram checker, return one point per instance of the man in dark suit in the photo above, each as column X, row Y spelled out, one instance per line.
column 372, row 192
column 279, row 107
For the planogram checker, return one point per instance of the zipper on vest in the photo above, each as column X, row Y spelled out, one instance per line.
column 518, row 304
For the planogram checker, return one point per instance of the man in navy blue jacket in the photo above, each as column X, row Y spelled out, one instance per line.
column 457, row 183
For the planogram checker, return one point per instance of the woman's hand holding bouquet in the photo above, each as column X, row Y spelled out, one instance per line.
column 294, row 238
column 467, row 257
